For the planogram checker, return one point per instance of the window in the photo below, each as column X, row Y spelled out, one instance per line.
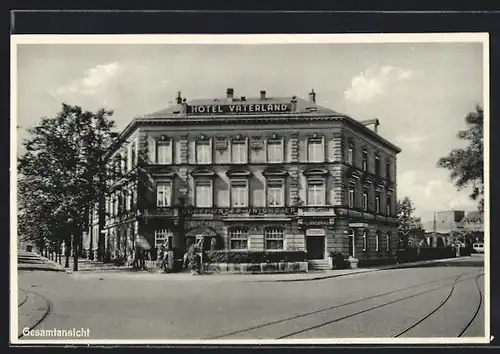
column 388, row 170
column 388, row 241
column 275, row 193
column 365, row 160
column 132, row 156
column 239, row 193
column 164, row 152
column 275, row 151
column 365, row 244
column 203, row 194
column 274, row 239
column 377, row 202
column 377, row 241
column 238, row 239
column 388, row 205
column 365, row 201
column 315, row 192
column 239, row 151
column 377, row 165
column 163, row 237
column 315, row 150
column 204, row 151
column 163, row 194
column 123, row 162
column 350, row 197
column 350, row 155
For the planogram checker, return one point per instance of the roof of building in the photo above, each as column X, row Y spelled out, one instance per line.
column 303, row 106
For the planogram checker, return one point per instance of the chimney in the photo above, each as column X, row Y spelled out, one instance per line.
column 184, row 106
column 294, row 103
column 312, row 96
column 262, row 95
column 230, row 94
column 243, row 98
column 179, row 98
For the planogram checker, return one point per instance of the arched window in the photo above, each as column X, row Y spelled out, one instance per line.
column 238, row 239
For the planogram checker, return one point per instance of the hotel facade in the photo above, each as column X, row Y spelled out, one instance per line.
column 252, row 174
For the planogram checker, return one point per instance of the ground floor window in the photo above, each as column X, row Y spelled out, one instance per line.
column 163, row 237
column 274, row 239
column 365, row 243
column 238, row 239
column 388, row 241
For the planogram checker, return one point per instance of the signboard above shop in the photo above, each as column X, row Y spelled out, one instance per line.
column 240, row 108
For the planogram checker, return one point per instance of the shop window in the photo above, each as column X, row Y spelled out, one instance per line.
column 163, row 237
column 274, row 239
column 238, row 239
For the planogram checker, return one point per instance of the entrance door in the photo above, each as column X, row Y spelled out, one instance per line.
column 315, row 247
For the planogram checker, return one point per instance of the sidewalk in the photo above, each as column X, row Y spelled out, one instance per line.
column 276, row 277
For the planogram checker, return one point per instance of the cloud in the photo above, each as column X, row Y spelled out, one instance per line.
column 433, row 195
column 93, row 80
column 126, row 87
column 374, row 81
column 411, row 140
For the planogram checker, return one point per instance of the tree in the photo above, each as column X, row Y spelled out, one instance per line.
column 466, row 165
column 63, row 173
column 410, row 228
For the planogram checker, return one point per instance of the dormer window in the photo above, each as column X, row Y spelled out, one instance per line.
column 315, row 149
column 204, row 151
column 365, row 160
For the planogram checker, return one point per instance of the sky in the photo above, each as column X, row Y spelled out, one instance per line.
column 420, row 92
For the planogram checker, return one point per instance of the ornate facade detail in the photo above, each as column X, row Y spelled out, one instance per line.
column 221, row 144
column 294, row 147
column 256, row 143
column 184, row 151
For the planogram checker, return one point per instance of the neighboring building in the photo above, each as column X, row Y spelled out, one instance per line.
column 439, row 233
column 264, row 173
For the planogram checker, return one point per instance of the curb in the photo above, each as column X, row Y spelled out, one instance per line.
column 368, row 270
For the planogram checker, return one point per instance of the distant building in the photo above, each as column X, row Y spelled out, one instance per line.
column 439, row 232
column 256, row 173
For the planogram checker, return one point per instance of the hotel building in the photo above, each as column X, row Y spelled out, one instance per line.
column 253, row 173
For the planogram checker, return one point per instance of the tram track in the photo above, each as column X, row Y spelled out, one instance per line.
column 46, row 314
column 346, row 305
column 478, row 307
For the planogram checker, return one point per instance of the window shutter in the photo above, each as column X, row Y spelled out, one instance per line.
column 151, row 150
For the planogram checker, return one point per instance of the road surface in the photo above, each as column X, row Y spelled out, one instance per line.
column 443, row 300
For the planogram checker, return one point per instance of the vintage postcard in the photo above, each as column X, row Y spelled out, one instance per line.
column 250, row 189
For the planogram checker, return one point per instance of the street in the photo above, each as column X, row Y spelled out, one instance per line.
column 440, row 300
